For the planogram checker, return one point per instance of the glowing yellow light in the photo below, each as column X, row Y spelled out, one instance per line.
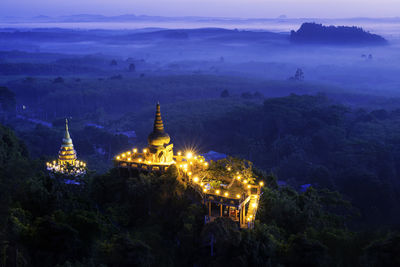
column 145, row 150
column 201, row 184
column 191, row 163
column 135, row 150
column 129, row 159
column 238, row 196
column 254, row 205
column 185, row 166
column 118, row 157
column 189, row 173
column 189, row 155
column 140, row 160
column 128, row 152
column 195, row 157
column 123, row 155
column 149, row 162
column 238, row 177
column 245, row 181
column 237, row 173
column 217, row 192
column 205, row 164
column 251, row 216
column 226, row 194
column 229, row 168
column 179, row 153
column 261, row 183
column 249, row 186
column 196, row 179
column 248, row 219
column 201, row 160
column 54, row 162
column 204, row 190
column 180, row 166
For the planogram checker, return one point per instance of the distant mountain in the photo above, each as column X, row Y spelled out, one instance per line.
column 313, row 33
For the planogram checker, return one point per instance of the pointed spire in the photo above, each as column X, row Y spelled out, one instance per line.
column 158, row 123
column 66, row 136
column 67, row 141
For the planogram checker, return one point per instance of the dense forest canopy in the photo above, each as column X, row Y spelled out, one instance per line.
column 152, row 220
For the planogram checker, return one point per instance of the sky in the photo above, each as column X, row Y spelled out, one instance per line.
column 208, row 8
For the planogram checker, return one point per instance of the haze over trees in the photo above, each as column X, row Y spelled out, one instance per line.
column 326, row 141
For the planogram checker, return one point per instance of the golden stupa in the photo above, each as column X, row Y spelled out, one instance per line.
column 67, row 162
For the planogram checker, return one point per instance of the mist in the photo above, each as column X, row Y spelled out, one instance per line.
column 301, row 96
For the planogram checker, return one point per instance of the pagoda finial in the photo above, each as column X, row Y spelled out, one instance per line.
column 66, row 136
column 158, row 123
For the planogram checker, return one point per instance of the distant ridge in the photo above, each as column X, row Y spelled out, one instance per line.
column 313, row 33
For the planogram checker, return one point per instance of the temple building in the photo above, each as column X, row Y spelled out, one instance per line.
column 157, row 156
column 237, row 197
column 67, row 162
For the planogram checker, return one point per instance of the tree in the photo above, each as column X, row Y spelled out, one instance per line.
column 225, row 93
column 58, row 80
column 299, row 75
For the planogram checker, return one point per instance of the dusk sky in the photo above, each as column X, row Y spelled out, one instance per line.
column 215, row 8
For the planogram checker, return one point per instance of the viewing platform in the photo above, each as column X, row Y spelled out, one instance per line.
column 226, row 189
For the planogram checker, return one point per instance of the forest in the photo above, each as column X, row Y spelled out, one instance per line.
column 320, row 124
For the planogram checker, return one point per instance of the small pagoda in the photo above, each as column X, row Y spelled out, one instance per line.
column 67, row 162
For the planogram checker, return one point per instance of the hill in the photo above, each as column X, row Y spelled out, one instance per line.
column 313, row 33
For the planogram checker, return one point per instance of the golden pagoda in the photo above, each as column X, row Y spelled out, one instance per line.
column 67, row 162
column 67, row 153
column 158, row 156
column 159, row 150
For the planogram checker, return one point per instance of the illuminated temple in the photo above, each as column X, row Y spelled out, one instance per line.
column 67, row 162
column 235, row 195
column 158, row 156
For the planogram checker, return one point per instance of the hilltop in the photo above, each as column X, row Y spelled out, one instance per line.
column 313, row 33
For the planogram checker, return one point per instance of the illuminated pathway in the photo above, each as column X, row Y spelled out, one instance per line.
column 229, row 194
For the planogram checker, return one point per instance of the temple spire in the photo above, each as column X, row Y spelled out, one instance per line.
column 158, row 123
column 66, row 135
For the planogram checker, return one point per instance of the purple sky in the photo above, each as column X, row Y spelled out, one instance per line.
column 214, row 8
